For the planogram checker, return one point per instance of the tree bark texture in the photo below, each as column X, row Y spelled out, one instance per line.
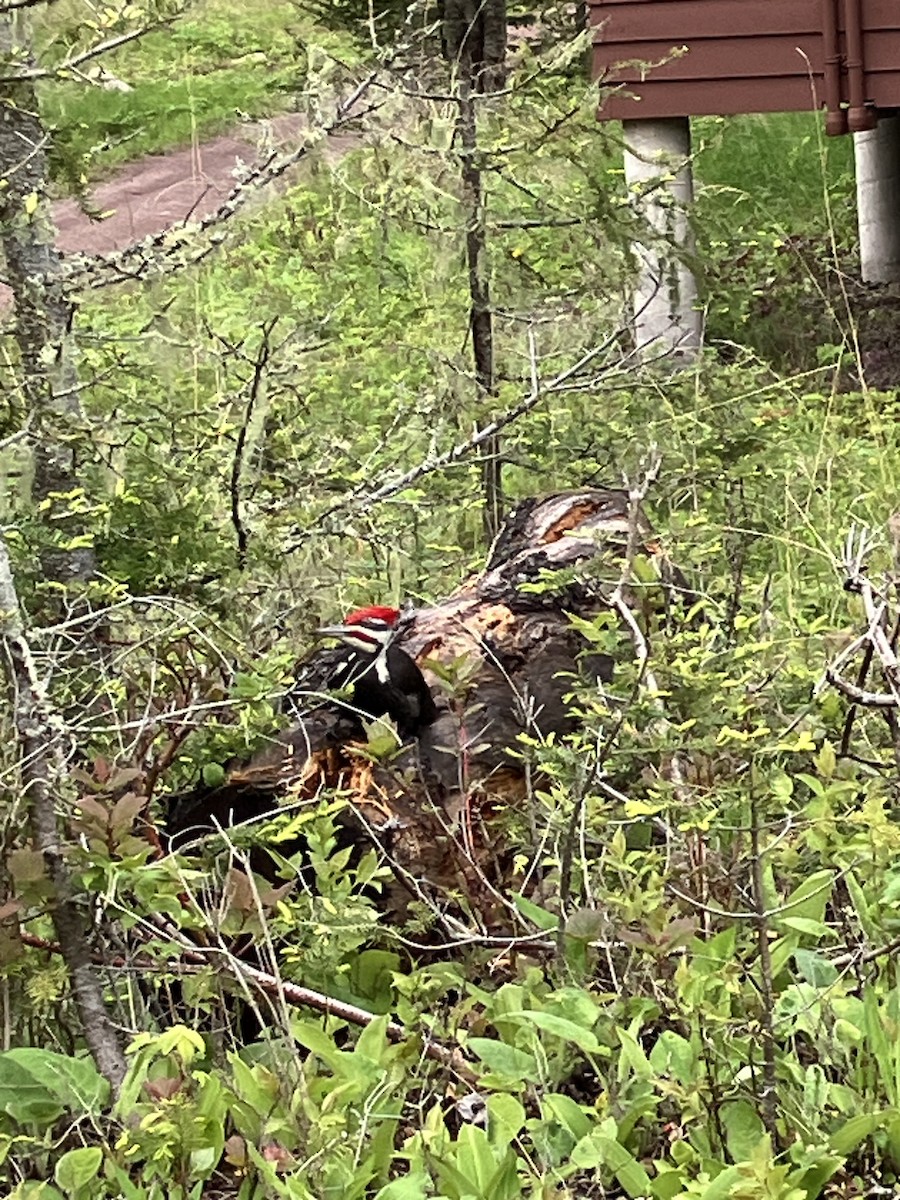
column 481, row 318
column 43, row 316
column 475, row 47
column 476, row 30
column 39, row 733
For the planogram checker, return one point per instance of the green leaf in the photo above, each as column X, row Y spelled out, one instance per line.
column 809, row 899
column 538, row 916
column 861, row 905
column 633, row 1056
column 506, row 1116
column 314, row 1038
column 31, row 1190
column 815, row 968
column 781, row 951
column 813, row 1177
column 505, row 1183
column 24, row 1098
column 721, row 1187
column 669, row 1182
column 78, row 1167
column 560, row 1027
column 743, row 1129
column 817, row 929
column 855, row 1131
column 254, row 1084
column 626, row 1168
column 415, row 1186
column 588, row 1153
column 475, row 1158
column 372, row 1042
column 567, row 1113
column 673, row 1055
column 503, row 1059
column 38, row 1085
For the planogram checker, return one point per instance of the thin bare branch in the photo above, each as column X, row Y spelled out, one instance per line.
column 359, row 499
column 30, row 74
column 294, row 994
column 259, row 369
column 8, row 6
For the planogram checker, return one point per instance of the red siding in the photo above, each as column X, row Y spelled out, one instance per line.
column 739, row 55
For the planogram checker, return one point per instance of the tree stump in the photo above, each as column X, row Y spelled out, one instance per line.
column 501, row 655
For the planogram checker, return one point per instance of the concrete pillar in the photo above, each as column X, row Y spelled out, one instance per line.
column 667, row 320
column 877, row 153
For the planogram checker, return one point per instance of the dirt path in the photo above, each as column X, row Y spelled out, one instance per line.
column 163, row 190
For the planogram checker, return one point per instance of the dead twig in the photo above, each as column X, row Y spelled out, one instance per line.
column 877, row 642
column 361, row 501
column 260, row 363
column 30, row 74
column 292, row 993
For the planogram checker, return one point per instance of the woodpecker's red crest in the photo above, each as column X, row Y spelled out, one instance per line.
column 374, row 612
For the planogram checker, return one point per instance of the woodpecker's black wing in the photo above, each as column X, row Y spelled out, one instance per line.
column 388, row 684
column 321, row 674
column 394, row 686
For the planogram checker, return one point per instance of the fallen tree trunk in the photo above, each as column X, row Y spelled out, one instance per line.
column 500, row 654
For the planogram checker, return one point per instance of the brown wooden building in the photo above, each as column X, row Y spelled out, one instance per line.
column 681, row 58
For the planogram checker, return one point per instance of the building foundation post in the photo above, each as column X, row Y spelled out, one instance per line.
column 877, row 154
column 667, row 319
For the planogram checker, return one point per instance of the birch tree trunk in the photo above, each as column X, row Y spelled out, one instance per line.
column 48, row 382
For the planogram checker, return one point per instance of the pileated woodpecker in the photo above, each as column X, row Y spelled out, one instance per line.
column 384, row 679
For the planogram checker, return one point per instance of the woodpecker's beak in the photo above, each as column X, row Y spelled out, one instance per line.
column 334, row 631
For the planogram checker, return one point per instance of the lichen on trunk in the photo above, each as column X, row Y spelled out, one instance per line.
column 48, row 377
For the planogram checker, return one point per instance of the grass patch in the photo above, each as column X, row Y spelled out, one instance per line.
column 776, row 234
column 774, row 168
column 212, row 68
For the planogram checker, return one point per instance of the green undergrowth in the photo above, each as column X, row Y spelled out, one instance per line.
column 775, row 220
column 361, row 268
column 211, row 69
column 707, row 1002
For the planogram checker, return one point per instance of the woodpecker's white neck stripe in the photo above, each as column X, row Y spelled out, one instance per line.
column 382, row 673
